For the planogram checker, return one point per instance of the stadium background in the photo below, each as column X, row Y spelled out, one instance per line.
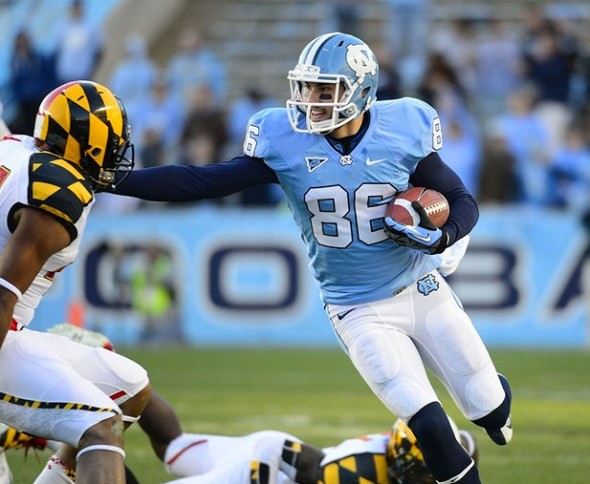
column 240, row 278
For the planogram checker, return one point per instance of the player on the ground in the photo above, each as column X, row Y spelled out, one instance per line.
column 271, row 457
column 339, row 155
column 51, row 386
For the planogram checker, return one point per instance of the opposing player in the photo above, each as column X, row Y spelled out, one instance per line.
column 339, row 155
column 271, row 457
column 51, row 386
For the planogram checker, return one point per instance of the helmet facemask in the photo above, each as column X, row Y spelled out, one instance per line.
column 118, row 160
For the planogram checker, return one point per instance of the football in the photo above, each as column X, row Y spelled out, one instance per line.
column 436, row 206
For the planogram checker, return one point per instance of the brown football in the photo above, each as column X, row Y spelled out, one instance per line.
column 436, row 206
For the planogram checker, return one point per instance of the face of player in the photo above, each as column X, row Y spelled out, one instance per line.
column 322, row 98
column 317, row 94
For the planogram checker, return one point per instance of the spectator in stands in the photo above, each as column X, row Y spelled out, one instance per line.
column 457, row 43
column 570, row 171
column 158, row 121
column 408, row 33
column 390, row 84
column 549, row 69
column 79, row 46
column 343, row 16
column 497, row 183
column 439, row 76
column 199, row 149
column 461, row 149
column 528, row 141
column 135, row 73
column 498, row 69
column 534, row 22
column 31, row 78
column 206, row 117
column 195, row 64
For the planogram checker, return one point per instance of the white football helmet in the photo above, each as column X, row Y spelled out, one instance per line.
column 339, row 59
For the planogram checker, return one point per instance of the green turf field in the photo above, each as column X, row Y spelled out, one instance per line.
column 317, row 396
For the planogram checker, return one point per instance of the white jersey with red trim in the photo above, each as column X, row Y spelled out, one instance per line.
column 29, row 177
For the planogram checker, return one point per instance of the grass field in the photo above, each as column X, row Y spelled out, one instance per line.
column 318, row 396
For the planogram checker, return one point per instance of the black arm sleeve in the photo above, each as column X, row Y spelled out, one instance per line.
column 432, row 172
column 185, row 183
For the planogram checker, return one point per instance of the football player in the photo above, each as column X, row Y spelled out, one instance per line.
column 51, row 386
column 270, row 457
column 340, row 156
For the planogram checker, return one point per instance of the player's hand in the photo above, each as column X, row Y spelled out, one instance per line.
column 425, row 237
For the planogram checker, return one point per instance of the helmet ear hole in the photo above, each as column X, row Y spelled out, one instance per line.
column 95, row 152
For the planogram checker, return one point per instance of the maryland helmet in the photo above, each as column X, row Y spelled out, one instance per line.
column 405, row 459
column 86, row 124
column 339, row 59
column 366, row 468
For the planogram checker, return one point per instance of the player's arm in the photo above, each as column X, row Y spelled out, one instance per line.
column 185, row 183
column 433, row 173
column 36, row 236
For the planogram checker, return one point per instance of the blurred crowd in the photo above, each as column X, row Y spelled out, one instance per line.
column 514, row 99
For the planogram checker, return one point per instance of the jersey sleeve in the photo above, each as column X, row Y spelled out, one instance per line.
column 260, row 127
column 59, row 188
column 425, row 123
column 188, row 183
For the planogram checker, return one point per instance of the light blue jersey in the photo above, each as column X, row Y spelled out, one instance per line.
column 339, row 201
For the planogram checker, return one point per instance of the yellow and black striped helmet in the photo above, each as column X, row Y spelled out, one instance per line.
column 405, row 459
column 86, row 124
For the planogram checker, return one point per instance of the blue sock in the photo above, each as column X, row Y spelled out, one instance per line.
column 443, row 454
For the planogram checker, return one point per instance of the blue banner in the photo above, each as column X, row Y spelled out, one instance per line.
column 211, row 276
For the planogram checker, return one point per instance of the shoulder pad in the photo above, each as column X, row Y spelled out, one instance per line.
column 58, row 187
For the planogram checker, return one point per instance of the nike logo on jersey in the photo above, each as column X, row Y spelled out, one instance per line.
column 370, row 162
column 341, row 316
